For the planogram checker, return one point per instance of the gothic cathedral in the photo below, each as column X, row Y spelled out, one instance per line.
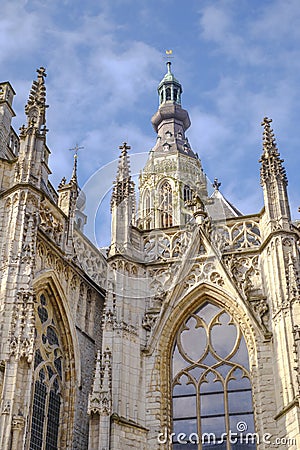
column 185, row 334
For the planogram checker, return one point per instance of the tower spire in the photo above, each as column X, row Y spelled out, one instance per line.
column 273, row 180
column 123, row 185
column 271, row 164
column 122, row 206
column 35, row 108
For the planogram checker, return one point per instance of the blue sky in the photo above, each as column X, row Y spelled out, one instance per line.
column 238, row 61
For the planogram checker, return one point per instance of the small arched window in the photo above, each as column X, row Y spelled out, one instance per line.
column 187, row 193
column 48, row 380
column 211, row 387
column 147, row 210
column 168, row 94
column 175, row 93
column 166, row 205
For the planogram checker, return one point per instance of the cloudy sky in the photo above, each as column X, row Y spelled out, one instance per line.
column 238, row 61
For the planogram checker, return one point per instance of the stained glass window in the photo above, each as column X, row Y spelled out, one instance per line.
column 211, row 387
column 48, row 377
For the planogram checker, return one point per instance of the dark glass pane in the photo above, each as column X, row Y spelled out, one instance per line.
column 238, row 381
column 37, row 358
column 212, row 404
column 178, row 362
column 207, row 312
column 241, row 356
column 52, row 336
column 193, row 339
column 57, row 364
column 43, row 314
column 214, row 425
column 240, row 402
column 38, row 414
column 43, row 300
column 223, row 336
column 184, row 407
column 188, row 446
column 241, row 423
column 186, row 426
column 53, row 421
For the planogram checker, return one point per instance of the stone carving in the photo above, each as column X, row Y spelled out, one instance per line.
column 100, row 398
column 18, row 422
column 6, row 407
column 161, row 280
column 261, row 309
column 50, row 224
column 246, row 274
column 112, row 323
column 159, row 245
column 124, row 266
column 149, row 320
column 203, row 271
column 292, row 279
column 238, row 236
column 22, row 327
column 28, row 247
column 296, row 335
column 90, row 259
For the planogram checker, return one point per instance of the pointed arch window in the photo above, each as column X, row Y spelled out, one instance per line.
column 147, row 210
column 211, row 387
column 166, row 205
column 187, row 193
column 48, row 379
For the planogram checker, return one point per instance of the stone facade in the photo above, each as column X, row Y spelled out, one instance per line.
column 89, row 344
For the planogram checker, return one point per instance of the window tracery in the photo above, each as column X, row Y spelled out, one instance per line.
column 48, row 379
column 187, row 193
column 165, row 205
column 211, row 388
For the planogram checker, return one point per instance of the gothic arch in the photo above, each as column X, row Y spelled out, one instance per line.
column 175, row 317
column 47, row 284
column 165, row 195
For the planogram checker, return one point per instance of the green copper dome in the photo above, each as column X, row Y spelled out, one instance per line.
column 169, row 89
column 169, row 77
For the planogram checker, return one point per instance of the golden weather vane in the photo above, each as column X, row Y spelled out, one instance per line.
column 168, row 54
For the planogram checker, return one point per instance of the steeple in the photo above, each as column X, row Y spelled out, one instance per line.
column 33, row 155
column 271, row 165
column 123, row 185
column 122, row 205
column 273, row 180
column 171, row 121
column 35, row 108
column 173, row 174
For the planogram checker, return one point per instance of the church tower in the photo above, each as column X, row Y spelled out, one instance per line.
column 173, row 177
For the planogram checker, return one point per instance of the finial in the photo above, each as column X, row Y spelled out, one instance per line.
column 216, row 184
column 271, row 164
column 269, row 143
column 75, row 150
column 124, row 147
column 41, row 73
column 169, row 54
